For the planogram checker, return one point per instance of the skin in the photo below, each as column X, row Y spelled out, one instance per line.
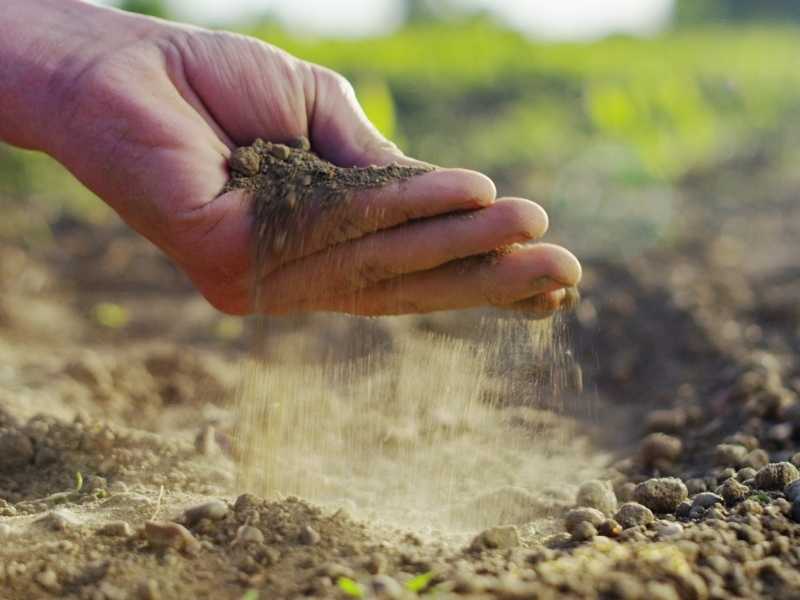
column 145, row 113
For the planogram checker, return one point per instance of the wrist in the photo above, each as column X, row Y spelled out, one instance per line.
column 44, row 46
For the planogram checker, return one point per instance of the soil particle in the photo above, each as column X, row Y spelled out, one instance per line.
column 16, row 449
column 661, row 495
column 660, row 448
column 633, row 514
column 729, row 455
column 756, row 459
column 49, row 581
column 584, row 531
column 309, row 536
column 582, row 515
column 497, row 538
column 732, row 491
column 164, row 534
column 599, row 495
column 706, row 499
column 116, row 529
column 214, row 511
column 776, row 476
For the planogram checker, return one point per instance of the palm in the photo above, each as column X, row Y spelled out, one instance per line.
column 160, row 120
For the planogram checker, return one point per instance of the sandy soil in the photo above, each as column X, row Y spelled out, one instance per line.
column 437, row 454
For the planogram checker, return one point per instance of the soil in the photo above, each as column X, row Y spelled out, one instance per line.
column 124, row 472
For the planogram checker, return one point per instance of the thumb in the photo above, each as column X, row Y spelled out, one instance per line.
column 340, row 130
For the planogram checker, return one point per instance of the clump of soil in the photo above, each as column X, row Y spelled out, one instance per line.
column 290, row 184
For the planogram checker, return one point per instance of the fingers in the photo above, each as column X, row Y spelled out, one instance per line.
column 418, row 246
column 340, row 130
column 503, row 280
column 371, row 210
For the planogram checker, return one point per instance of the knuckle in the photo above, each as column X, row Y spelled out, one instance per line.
column 370, row 271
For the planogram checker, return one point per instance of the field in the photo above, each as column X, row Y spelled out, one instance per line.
column 439, row 455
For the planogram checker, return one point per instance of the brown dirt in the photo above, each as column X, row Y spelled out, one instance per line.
column 689, row 361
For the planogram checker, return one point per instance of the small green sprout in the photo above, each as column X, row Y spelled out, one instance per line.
column 419, row 583
column 78, row 481
column 350, row 587
column 251, row 595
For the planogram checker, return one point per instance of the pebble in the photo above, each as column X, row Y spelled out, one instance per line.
column 280, row 151
column 732, row 491
column 384, row 586
column 499, row 538
column 246, row 502
column 746, row 473
column 246, row 161
column 668, row 529
column 776, row 476
column 729, row 455
column 662, row 494
column 249, row 534
column 583, row 531
column 666, row 421
column 148, row 590
column 633, row 514
column 59, row 520
column 165, row 534
column 792, row 491
column 213, row 511
column 48, row 580
column 696, row 486
column 309, row 536
column 582, row 515
column 660, row 447
column 599, row 495
column 16, row 450
column 707, row 499
column 116, row 529
column 796, row 511
column 756, row 459
column 609, row 528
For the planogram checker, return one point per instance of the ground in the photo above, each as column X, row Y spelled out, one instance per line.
column 437, row 454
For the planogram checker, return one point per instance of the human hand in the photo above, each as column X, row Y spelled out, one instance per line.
column 150, row 112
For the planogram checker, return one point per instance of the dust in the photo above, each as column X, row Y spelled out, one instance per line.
column 433, row 432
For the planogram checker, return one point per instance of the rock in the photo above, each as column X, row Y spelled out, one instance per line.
column 245, row 161
column 696, row 486
column 756, row 459
column 246, row 503
column 165, row 534
column 59, row 520
column 599, row 495
column 746, row 473
column 309, row 536
column 16, row 450
column 583, row 531
column 48, row 580
column 497, row 538
column 729, row 455
column 213, row 511
column 116, row 529
column 668, row 529
column 662, row 494
column 732, row 491
column 707, row 499
column 582, row 515
column 609, row 528
column 684, row 509
column 248, row 534
column 660, row 448
column 383, row 586
column 776, row 476
column 633, row 514
column 796, row 511
column 792, row 491
column 666, row 421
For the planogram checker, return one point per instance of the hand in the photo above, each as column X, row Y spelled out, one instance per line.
column 149, row 113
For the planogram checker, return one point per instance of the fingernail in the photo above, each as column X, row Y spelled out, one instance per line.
column 543, row 284
column 571, row 299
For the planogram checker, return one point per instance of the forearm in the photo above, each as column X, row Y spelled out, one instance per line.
column 44, row 45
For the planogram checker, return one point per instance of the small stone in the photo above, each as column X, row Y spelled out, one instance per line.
column 599, row 495
column 780, row 433
column 497, row 538
column 666, row 421
column 48, row 580
column 668, row 530
column 746, row 473
column 148, row 590
column 300, row 143
column 792, row 491
column 707, row 499
column 245, row 161
column 732, row 491
column 795, row 513
column 116, row 529
column 215, row 510
column 776, row 476
column 583, row 531
column 582, row 515
column 662, row 494
column 309, row 536
column 383, row 586
column 729, row 455
column 59, row 520
column 164, row 534
column 280, row 151
column 247, row 534
column 609, row 528
column 696, row 486
column 16, row 450
column 660, row 448
column 684, row 509
column 756, row 459
column 246, row 503
column 633, row 514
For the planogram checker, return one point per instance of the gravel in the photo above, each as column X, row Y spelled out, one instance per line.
column 633, row 514
column 776, row 476
column 661, row 495
column 598, row 495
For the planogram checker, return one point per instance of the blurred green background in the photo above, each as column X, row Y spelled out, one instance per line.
column 632, row 118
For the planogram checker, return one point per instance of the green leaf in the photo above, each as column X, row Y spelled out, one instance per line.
column 78, row 481
column 419, row 583
column 251, row 595
column 350, row 587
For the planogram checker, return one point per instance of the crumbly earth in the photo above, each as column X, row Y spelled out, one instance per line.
column 689, row 355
